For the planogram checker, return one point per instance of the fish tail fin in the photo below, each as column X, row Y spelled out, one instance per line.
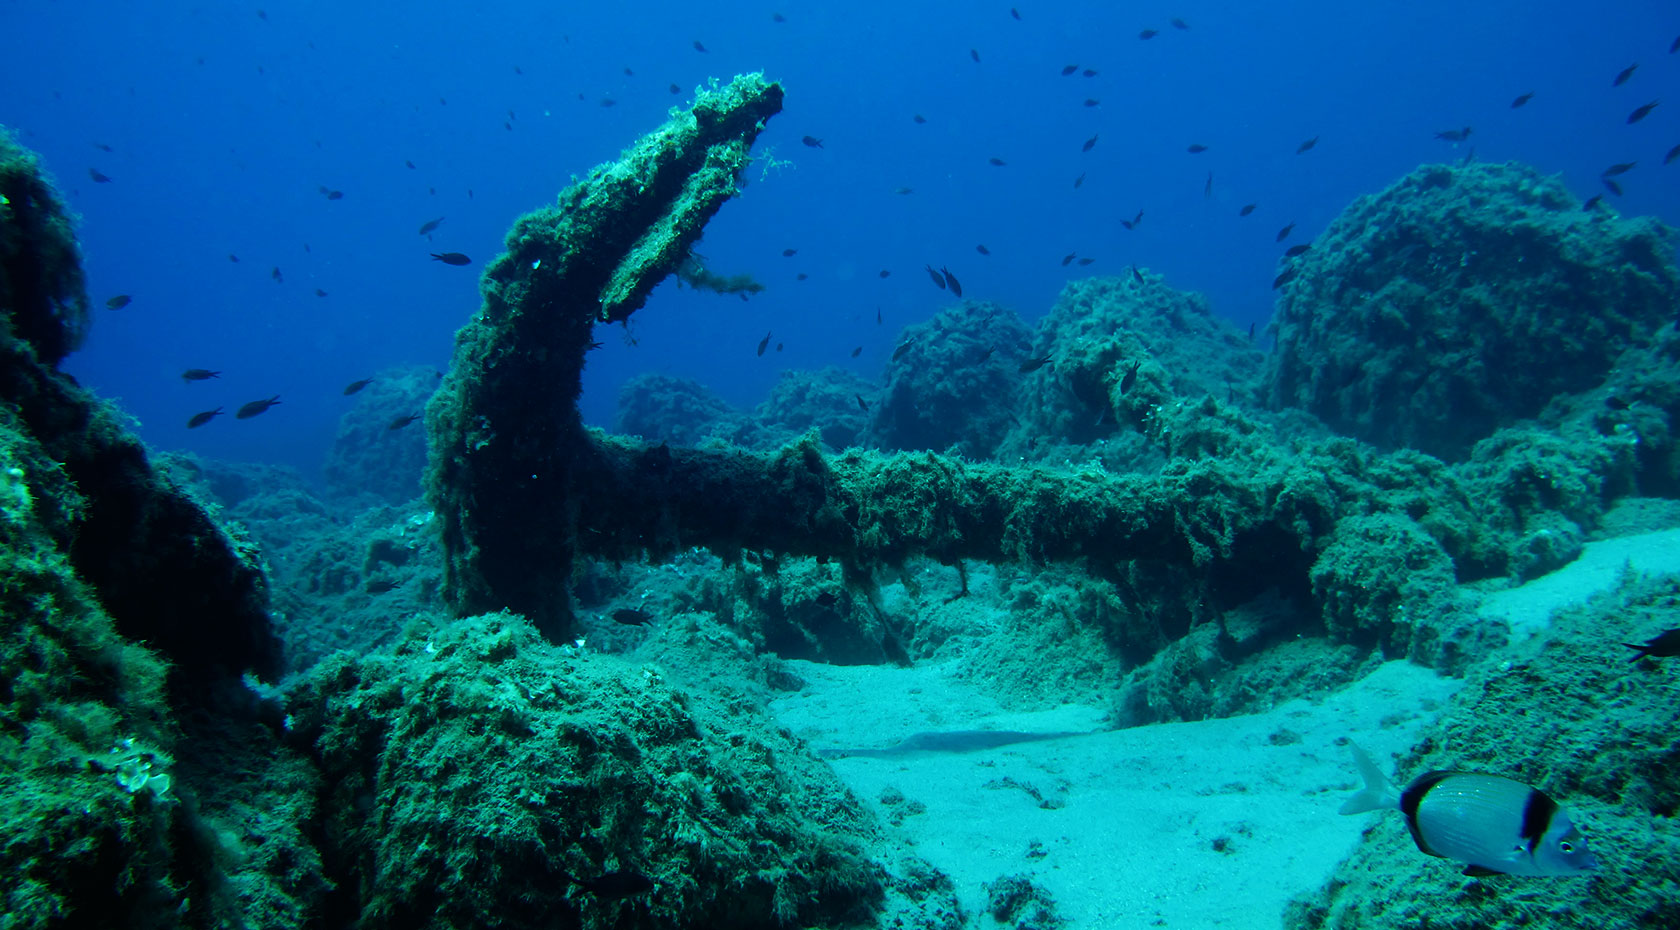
column 1640, row 652
column 1378, row 793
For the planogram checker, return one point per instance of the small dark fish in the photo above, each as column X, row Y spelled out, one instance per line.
column 1295, row 250
column 877, row 316
column 1090, row 144
column 812, row 141
column 1592, row 202
column 1642, row 112
column 903, row 190
column 1306, row 146
column 763, row 344
column 1196, row 148
column 1069, row 69
column 276, row 275
column 1017, row 14
column 698, row 47
column 801, row 276
column 380, row 586
column 1079, row 181
column 982, row 249
column 620, row 884
column 674, row 89
column 408, row 163
column 1068, row 259
column 1086, row 261
column 1673, row 153
column 332, row 195
column 632, row 616
column 1133, row 222
column 1207, row 189
column 777, row 18
column 97, row 177
column 1522, row 99
column 356, row 386
column 1662, row 646
column 198, row 374
column 199, row 419
column 862, row 404
column 996, row 162
column 320, row 293
column 974, row 54
column 1611, row 186
column 1251, row 332
column 1092, row 102
column 885, row 273
column 951, row 281
column 789, row 253
column 1088, row 72
column 1285, row 231
column 1179, row 23
column 1247, row 208
column 450, row 258
column 1288, row 275
column 1618, row 168
column 1623, row 75
column 1131, row 377
column 1033, row 364
column 103, row 147
column 233, row 258
column 1674, row 46
column 902, row 348
column 255, row 407
column 1149, row 33
column 920, row 119
column 827, row 599
column 118, row 302
column 1453, row 135
column 937, row 278
column 427, row 227
column 1137, row 275
column 401, row 422
column 778, row 347
column 857, row 351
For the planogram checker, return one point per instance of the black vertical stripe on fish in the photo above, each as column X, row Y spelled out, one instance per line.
column 1412, row 797
column 1538, row 811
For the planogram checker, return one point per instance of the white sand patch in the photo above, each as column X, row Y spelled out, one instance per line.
column 1124, row 825
column 1530, row 607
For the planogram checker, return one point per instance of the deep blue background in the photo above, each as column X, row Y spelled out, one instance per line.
column 224, row 124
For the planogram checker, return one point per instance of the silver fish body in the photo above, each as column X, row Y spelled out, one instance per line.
column 1490, row 823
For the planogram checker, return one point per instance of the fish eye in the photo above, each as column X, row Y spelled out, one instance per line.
column 1567, row 847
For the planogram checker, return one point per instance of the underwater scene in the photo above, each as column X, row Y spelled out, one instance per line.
column 930, row 466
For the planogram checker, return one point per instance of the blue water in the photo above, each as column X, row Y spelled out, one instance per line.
column 225, row 120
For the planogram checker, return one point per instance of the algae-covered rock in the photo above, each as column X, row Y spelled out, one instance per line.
column 477, row 776
column 378, row 450
column 665, row 408
column 41, row 283
column 1102, row 330
column 1461, row 300
column 951, row 382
